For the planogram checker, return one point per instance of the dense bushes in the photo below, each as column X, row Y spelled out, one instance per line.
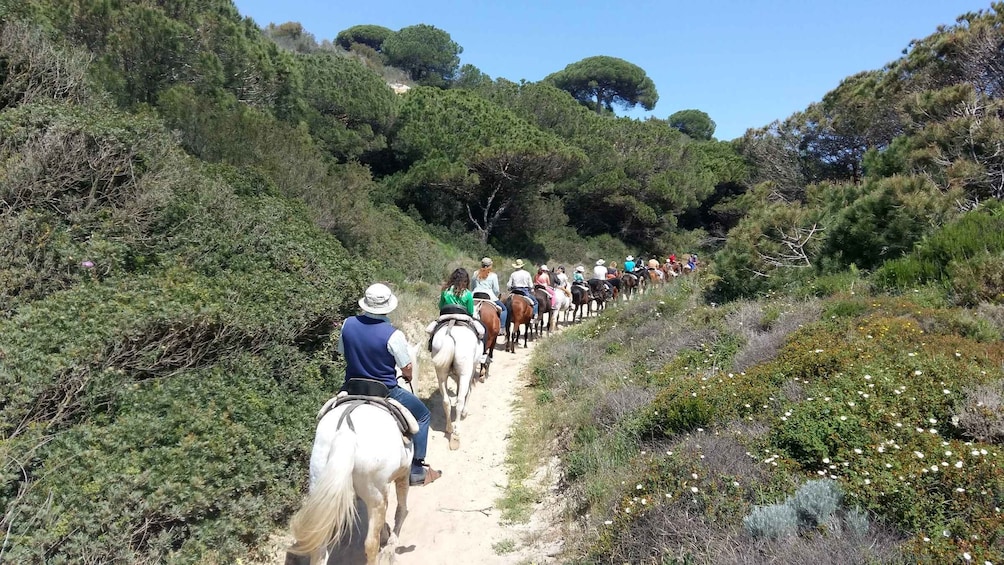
column 965, row 254
column 155, row 310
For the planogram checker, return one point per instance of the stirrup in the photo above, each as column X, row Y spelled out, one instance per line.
column 427, row 476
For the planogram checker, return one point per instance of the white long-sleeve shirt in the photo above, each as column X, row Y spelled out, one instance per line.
column 520, row 279
column 600, row 272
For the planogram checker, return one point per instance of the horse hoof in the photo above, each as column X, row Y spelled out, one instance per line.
column 454, row 443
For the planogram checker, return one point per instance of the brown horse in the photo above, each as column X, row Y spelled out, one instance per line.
column 630, row 284
column 543, row 307
column 601, row 293
column 580, row 301
column 489, row 316
column 520, row 312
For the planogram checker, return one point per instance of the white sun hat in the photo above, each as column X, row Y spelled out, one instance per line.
column 379, row 299
column 580, row 269
column 544, row 268
column 629, row 258
column 600, row 262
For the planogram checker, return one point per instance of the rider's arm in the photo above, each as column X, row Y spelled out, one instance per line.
column 467, row 299
column 397, row 345
column 493, row 282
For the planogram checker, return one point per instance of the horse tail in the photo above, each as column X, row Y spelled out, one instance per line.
column 443, row 345
column 330, row 508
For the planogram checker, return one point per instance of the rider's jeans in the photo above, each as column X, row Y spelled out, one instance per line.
column 529, row 294
column 421, row 413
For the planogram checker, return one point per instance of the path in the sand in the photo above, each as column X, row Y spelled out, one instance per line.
column 455, row 519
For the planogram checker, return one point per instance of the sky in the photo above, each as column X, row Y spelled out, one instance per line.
column 744, row 62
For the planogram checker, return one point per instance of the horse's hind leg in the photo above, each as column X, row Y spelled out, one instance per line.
column 387, row 553
column 447, row 405
column 378, row 516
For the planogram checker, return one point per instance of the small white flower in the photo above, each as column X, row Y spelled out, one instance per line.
column 918, row 454
column 958, row 464
column 694, row 490
column 608, row 522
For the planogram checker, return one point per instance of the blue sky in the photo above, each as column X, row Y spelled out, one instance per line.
column 744, row 62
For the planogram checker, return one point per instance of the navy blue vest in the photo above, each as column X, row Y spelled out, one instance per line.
column 365, row 342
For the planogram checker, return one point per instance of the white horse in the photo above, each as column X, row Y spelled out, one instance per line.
column 346, row 463
column 455, row 352
column 563, row 304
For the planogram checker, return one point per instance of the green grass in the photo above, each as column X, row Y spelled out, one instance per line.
column 503, row 547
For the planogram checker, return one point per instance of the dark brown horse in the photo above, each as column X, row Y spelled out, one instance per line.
column 489, row 316
column 520, row 312
column 630, row 283
column 543, row 307
column 580, row 301
column 602, row 293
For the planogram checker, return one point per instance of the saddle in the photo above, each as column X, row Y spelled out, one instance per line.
column 482, row 297
column 519, row 293
column 451, row 315
column 357, row 391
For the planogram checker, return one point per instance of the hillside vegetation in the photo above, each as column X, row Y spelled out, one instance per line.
column 193, row 203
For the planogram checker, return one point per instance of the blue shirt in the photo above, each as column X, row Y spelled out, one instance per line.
column 628, row 266
column 373, row 348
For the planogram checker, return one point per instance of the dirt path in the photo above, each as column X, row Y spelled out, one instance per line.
column 455, row 520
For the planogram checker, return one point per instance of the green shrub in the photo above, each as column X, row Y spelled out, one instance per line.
column 979, row 280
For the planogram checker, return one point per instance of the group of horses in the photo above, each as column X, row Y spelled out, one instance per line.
column 365, row 457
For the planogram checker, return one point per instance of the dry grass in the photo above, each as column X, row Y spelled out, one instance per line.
column 981, row 414
column 765, row 329
column 613, row 405
column 993, row 313
column 679, row 532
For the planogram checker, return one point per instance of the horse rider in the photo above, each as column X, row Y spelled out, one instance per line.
column 629, row 264
column 372, row 347
column 562, row 280
column 600, row 275
column 520, row 282
column 577, row 276
column 544, row 280
column 613, row 276
column 485, row 280
column 456, row 292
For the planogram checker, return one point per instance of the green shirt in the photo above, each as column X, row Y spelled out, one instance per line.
column 466, row 300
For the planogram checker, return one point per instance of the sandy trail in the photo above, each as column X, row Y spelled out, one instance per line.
column 454, row 520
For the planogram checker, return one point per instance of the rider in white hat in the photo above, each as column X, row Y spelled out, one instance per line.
column 373, row 347
column 599, row 271
column 520, row 282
